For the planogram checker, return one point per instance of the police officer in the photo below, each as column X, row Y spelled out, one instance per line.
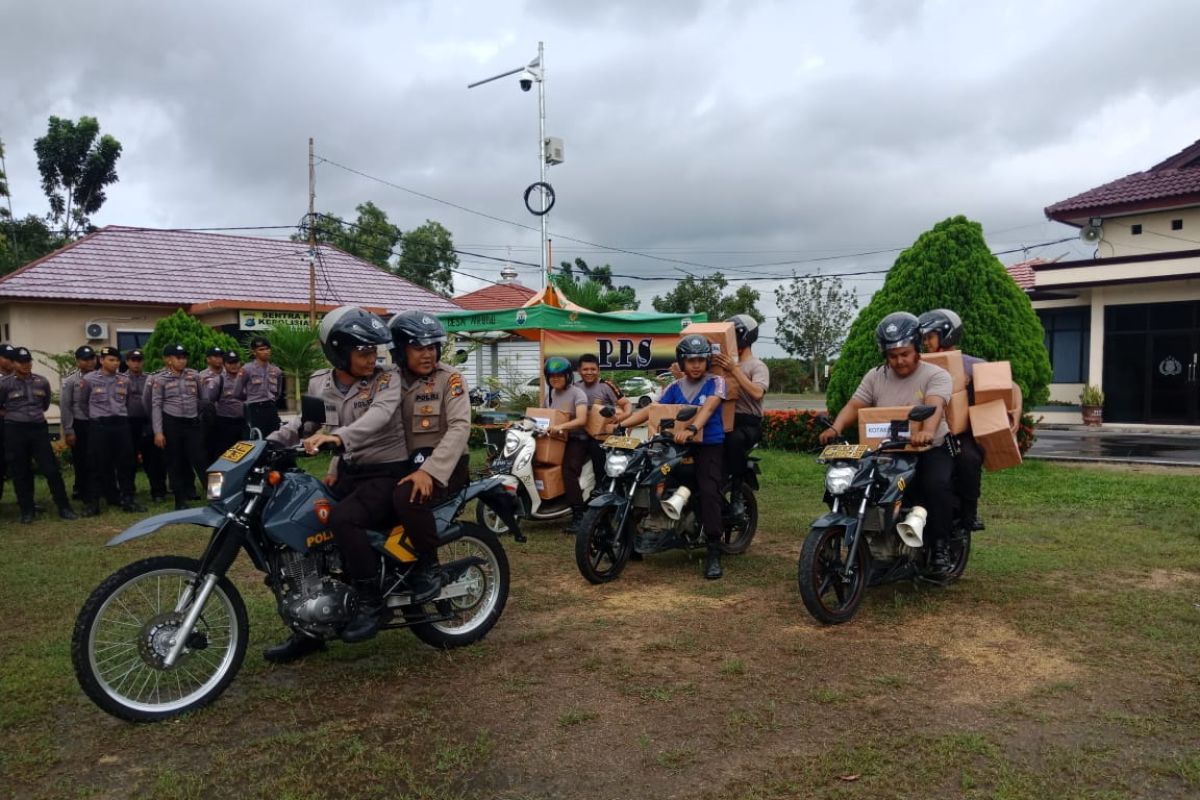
column 106, row 394
column 605, row 392
column 24, row 398
column 210, row 379
column 263, row 386
column 752, row 378
column 437, row 425
column 74, row 420
column 175, row 415
column 228, row 421
column 141, row 433
column 362, row 402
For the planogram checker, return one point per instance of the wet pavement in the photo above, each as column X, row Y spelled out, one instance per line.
column 1117, row 446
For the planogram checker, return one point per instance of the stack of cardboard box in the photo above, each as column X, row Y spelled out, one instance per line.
column 997, row 401
column 723, row 338
column 548, row 453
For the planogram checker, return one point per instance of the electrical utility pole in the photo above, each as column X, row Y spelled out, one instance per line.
column 312, row 238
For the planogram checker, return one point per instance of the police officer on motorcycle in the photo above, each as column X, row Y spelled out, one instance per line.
column 904, row 380
column 753, row 378
column 436, row 412
column 362, row 404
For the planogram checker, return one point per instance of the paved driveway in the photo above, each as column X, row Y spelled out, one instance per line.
column 1117, row 446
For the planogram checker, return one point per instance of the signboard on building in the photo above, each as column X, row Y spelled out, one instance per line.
column 265, row 320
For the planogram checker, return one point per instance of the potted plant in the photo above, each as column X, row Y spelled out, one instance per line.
column 1092, row 400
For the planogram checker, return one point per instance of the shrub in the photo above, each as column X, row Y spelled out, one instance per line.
column 790, row 430
column 1027, row 432
column 789, row 375
column 184, row 329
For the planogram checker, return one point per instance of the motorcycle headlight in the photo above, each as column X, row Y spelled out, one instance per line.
column 511, row 442
column 837, row 479
column 216, row 482
column 615, row 464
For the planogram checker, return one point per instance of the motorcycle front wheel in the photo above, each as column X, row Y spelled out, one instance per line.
column 830, row 596
column 601, row 550
column 474, row 613
column 124, row 631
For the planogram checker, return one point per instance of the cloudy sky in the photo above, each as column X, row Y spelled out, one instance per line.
column 757, row 137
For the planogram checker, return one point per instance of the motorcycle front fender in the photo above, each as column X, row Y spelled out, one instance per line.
column 205, row 516
column 607, row 499
column 834, row 520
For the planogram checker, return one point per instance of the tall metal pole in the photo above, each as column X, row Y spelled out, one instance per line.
column 542, row 160
column 312, row 238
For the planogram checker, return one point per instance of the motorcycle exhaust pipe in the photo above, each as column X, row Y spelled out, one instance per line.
column 912, row 528
column 673, row 506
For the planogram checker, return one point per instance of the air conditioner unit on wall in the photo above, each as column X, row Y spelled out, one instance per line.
column 96, row 330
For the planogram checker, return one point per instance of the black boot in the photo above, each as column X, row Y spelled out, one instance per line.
column 425, row 579
column 712, row 564
column 577, row 513
column 90, row 510
column 129, row 504
column 977, row 523
column 366, row 622
column 26, row 517
column 943, row 559
column 66, row 512
column 296, row 647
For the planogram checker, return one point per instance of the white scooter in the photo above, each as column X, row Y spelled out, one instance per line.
column 515, row 458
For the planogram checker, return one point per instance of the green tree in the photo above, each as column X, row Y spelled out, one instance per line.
column 370, row 237
column 950, row 266
column 184, row 329
column 76, row 164
column 814, row 313
column 427, row 257
column 693, row 295
column 25, row 240
column 594, row 289
column 297, row 351
column 6, row 209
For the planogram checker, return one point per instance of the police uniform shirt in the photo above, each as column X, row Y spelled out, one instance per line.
column 567, row 402
column 176, row 394
column 602, row 391
column 69, row 404
column 24, row 399
column 228, row 391
column 105, row 395
column 437, row 415
column 210, row 383
column 366, row 417
column 263, row 383
column 137, row 396
column 882, row 387
column 758, row 373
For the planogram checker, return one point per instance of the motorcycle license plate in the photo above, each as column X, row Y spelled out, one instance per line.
column 239, row 451
column 622, row 442
column 843, row 452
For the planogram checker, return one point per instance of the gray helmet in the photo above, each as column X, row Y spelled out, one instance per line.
column 746, row 328
column 416, row 327
column 945, row 323
column 348, row 327
column 693, row 346
column 898, row 329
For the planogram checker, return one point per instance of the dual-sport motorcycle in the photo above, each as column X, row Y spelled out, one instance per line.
column 649, row 504
column 872, row 534
column 514, row 461
column 166, row 635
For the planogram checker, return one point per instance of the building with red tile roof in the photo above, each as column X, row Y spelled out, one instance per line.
column 1128, row 319
column 506, row 294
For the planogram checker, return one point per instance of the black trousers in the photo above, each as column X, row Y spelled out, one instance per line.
column 935, row 491
column 710, row 474
column 364, row 503
column 3, row 460
column 141, row 436
column 747, row 432
column 222, row 433
column 80, row 458
column 111, row 465
column 968, row 476
column 264, row 416
column 184, row 454
column 417, row 517
column 574, row 458
column 596, row 455
column 26, row 443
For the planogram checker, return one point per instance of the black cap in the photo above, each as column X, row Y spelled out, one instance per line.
column 215, row 351
column 259, row 341
column 175, row 350
column 135, row 355
column 232, row 357
column 7, row 350
column 22, row 354
column 110, row 351
column 83, row 351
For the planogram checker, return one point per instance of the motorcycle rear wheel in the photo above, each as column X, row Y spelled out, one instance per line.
column 826, row 595
column 737, row 537
column 477, row 612
column 123, row 632
column 601, row 552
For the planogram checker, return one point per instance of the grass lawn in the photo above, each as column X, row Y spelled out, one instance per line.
column 1066, row 664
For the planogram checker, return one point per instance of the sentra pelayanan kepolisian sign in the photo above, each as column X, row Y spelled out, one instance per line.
column 264, row 320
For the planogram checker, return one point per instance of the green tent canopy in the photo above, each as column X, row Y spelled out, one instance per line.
column 529, row 321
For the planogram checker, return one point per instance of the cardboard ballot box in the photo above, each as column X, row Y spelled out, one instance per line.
column 663, row 411
column 990, row 426
column 952, row 362
column 721, row 334
column 598, row 427
column 875, row 424
column 549, row 482
column 957, row 417
column 548, row 449
column 993, row 381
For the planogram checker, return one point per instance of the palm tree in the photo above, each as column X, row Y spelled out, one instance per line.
column 296, row 351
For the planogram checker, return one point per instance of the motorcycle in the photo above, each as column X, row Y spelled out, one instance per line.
column 166, row 635
column 479, row 397
column 514, row 461
column 649, row 505
column 872, row 534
